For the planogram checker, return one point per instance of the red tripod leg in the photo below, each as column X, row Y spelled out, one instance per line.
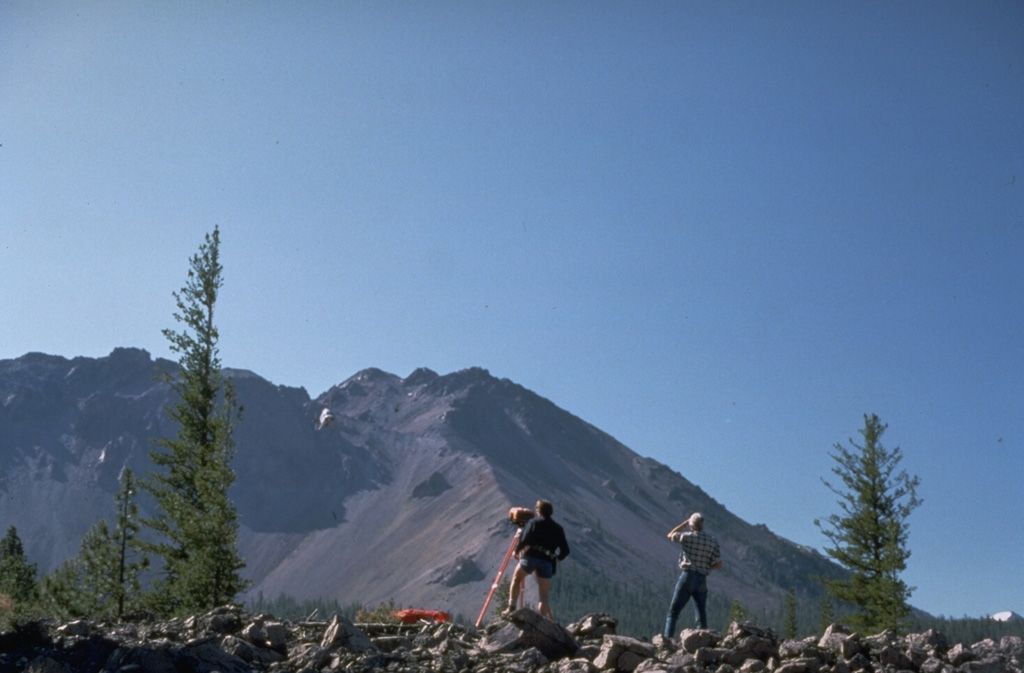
column 497, row 579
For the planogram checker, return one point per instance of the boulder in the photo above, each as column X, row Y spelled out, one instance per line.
column 572, row 666
column 746, row 641
column 692, row 640
column 622, row 653
column 344, row 634
column 840, row 643
column 930, row 641
column 525, row 629
column 594, row 627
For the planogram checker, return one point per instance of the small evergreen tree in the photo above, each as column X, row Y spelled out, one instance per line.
column 501, row 595
column 828, row 612
column 17, row 575
column 103, row 579
column 789, row 626
column 737, row 613
column 61, row 591
column 82, row 586
column 196, row 522
column 130, row 558
column 869, row 536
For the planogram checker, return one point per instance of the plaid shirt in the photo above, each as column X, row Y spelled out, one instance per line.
column 700, row 551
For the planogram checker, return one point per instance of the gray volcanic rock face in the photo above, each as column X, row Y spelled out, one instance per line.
column 403, row 496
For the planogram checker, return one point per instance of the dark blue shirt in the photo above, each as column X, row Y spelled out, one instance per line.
column 543, row 538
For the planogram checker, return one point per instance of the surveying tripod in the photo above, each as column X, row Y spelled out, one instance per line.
column 519, row 516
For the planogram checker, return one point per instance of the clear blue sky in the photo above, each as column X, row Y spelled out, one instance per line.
column 721, row 232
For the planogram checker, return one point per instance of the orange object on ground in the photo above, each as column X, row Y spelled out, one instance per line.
column 411, row 616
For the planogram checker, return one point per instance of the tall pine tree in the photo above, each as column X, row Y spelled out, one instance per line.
column 196, row 522
column 869, row 535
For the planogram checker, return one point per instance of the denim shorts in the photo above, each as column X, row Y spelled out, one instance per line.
column 543, row 567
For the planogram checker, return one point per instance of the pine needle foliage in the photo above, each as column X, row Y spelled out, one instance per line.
column 737, row 613
column 827, row 614
column 83, row 585
column 869, row 534
column 17, row 575
column 130, row 559
column 104, row 579
column 790, row 623
column 196, row 523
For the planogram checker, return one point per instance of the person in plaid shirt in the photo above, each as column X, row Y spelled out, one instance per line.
column 700, row 555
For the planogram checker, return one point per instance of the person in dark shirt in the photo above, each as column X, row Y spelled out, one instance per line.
column 541, row 546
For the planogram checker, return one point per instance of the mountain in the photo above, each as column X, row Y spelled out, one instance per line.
column 1007, row 616
column 404, row 496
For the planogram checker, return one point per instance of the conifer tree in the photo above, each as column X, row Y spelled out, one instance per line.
column 789, row 626
column 130, row 557
column 196, row 522
column 828, row 612
column 737, row 613
column 500, row 599
column 103, row 579
column 83, row 584
column 17, row 575
column 869, row 536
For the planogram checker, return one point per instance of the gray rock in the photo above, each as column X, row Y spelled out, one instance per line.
column 249, row 652
column 573, row 666
column 960, row 654
column 226, row 620
column 622, row 653
column 801, row 665
column 934, row 665
column 840, row 643
column 682, row 659
column 892, row 656
column 692, row 640
column 930, row 641
column 209, row 657
column 991, row 664
column 525, row 629
column 594, row 626
column 343, row 633
column 800, row 649
column 147, row 659
column 753, row 666
column 859, row 662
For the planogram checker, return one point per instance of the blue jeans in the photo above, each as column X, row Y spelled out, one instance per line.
column 690, row 584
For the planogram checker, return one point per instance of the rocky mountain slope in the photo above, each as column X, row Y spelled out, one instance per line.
column 404, row 496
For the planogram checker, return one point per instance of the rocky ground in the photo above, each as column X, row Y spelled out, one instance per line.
column 227, row 640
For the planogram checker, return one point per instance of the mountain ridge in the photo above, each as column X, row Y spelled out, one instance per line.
column 404, row 496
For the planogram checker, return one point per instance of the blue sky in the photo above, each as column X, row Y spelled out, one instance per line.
column 721, row 232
